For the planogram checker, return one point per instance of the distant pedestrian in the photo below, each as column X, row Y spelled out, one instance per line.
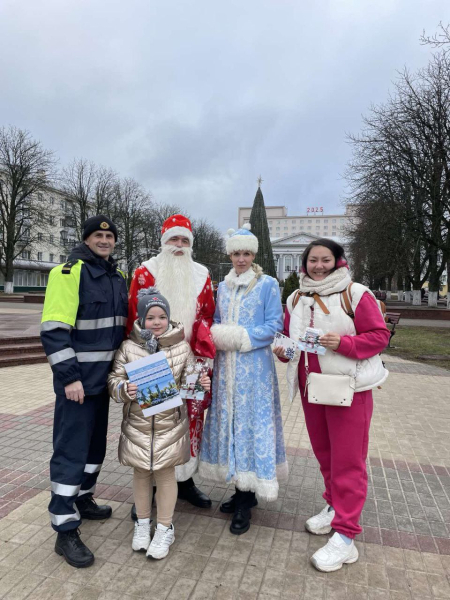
column 353, row 336
column 83, row 324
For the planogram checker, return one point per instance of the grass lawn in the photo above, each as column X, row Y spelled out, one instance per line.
column 412, row 342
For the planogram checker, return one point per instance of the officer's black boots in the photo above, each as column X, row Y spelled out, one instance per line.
column 89, row 509
column 69, row 545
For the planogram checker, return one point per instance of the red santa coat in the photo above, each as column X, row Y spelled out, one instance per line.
column 146, row 276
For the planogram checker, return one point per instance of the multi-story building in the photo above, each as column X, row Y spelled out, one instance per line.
column 291, row 235
column 315, row 222
column 46, row 243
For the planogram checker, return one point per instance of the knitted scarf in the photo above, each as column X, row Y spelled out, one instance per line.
column 151, row 342
column 336, row 282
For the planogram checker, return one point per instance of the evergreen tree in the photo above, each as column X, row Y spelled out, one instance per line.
column 260, row 228
column 290, row 285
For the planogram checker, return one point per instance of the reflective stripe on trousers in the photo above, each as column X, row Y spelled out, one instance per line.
column 62, row 519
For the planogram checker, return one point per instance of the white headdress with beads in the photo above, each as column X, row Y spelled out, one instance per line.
column 242, row 239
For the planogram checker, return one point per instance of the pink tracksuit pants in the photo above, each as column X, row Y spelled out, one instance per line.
column 340, row 439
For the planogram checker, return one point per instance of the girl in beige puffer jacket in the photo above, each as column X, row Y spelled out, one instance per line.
column 153, row 445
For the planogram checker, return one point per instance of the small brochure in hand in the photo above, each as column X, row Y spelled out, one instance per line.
column 157, row 390
column 310, row 341
column 192, row 389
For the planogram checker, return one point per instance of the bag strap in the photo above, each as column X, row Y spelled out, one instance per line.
column 316, row 297
column 298, row 293
column 321, row 304
column 346, row 301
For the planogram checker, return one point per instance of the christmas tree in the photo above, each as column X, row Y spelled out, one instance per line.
column 290, row 285
column 260, row 228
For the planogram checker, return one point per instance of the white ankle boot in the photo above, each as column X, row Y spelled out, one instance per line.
column 141, row 536
column 162, row 540
column 320, row 524
column 334, row 554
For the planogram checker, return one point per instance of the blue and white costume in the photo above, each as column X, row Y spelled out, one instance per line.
column 243, row 438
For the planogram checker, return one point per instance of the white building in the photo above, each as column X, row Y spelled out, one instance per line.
column 316, row 223
column 291, row 235
column 48, row 245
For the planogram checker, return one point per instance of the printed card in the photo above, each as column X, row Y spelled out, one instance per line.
column 309, row 342
column 285, row 342
column 192, row 389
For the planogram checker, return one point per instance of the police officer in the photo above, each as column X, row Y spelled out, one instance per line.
column 83, row 324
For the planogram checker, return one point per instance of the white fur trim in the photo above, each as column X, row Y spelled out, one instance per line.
column 173, row 231
column 265, row 489
column 183, row 472
column 242, row 242
column 246, row 345
column 201, row 273
column 234, row 280
column 247, row 226
column 227, row 337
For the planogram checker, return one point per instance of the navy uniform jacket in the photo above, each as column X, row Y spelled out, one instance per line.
column 83, row 321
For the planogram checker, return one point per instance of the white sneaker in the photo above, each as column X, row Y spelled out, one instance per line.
column 141, row 536
column 320, row 524
column 334, row 554
column 162, row 540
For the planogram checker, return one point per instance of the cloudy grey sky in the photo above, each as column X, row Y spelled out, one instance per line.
column 196, row 98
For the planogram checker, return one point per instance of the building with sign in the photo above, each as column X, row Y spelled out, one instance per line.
column 290, row 235
column 315, row 221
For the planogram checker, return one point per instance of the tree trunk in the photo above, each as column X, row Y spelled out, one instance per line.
column 448, row 283
column 432, row 298
column 9, row 270
column 408, row 296
column 400, row 288
column 417, row 298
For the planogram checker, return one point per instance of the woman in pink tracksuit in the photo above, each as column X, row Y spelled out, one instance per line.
column 339, row 435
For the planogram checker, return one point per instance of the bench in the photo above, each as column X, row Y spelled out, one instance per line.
column 393, row 318
column 379, row 295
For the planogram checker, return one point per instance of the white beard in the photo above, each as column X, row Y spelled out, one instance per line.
column 175, row 280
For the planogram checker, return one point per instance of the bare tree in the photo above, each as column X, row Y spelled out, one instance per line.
column 401, row 166
column 78, row 182
column 130, row 208
column 26, row 169
column 104, row 190
column 209, row 246
column 441, row 39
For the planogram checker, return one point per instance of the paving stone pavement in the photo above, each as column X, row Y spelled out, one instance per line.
column 404, row 548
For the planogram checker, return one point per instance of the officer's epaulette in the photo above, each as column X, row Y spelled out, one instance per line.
column 67, row 267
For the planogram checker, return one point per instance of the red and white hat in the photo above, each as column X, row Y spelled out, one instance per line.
column 176, row 225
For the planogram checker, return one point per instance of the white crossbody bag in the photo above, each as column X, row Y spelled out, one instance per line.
column 332, row 390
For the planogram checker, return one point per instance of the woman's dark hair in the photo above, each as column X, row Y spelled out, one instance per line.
column 336, row 249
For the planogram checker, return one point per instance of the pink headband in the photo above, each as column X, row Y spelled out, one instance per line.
column 341, row 263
